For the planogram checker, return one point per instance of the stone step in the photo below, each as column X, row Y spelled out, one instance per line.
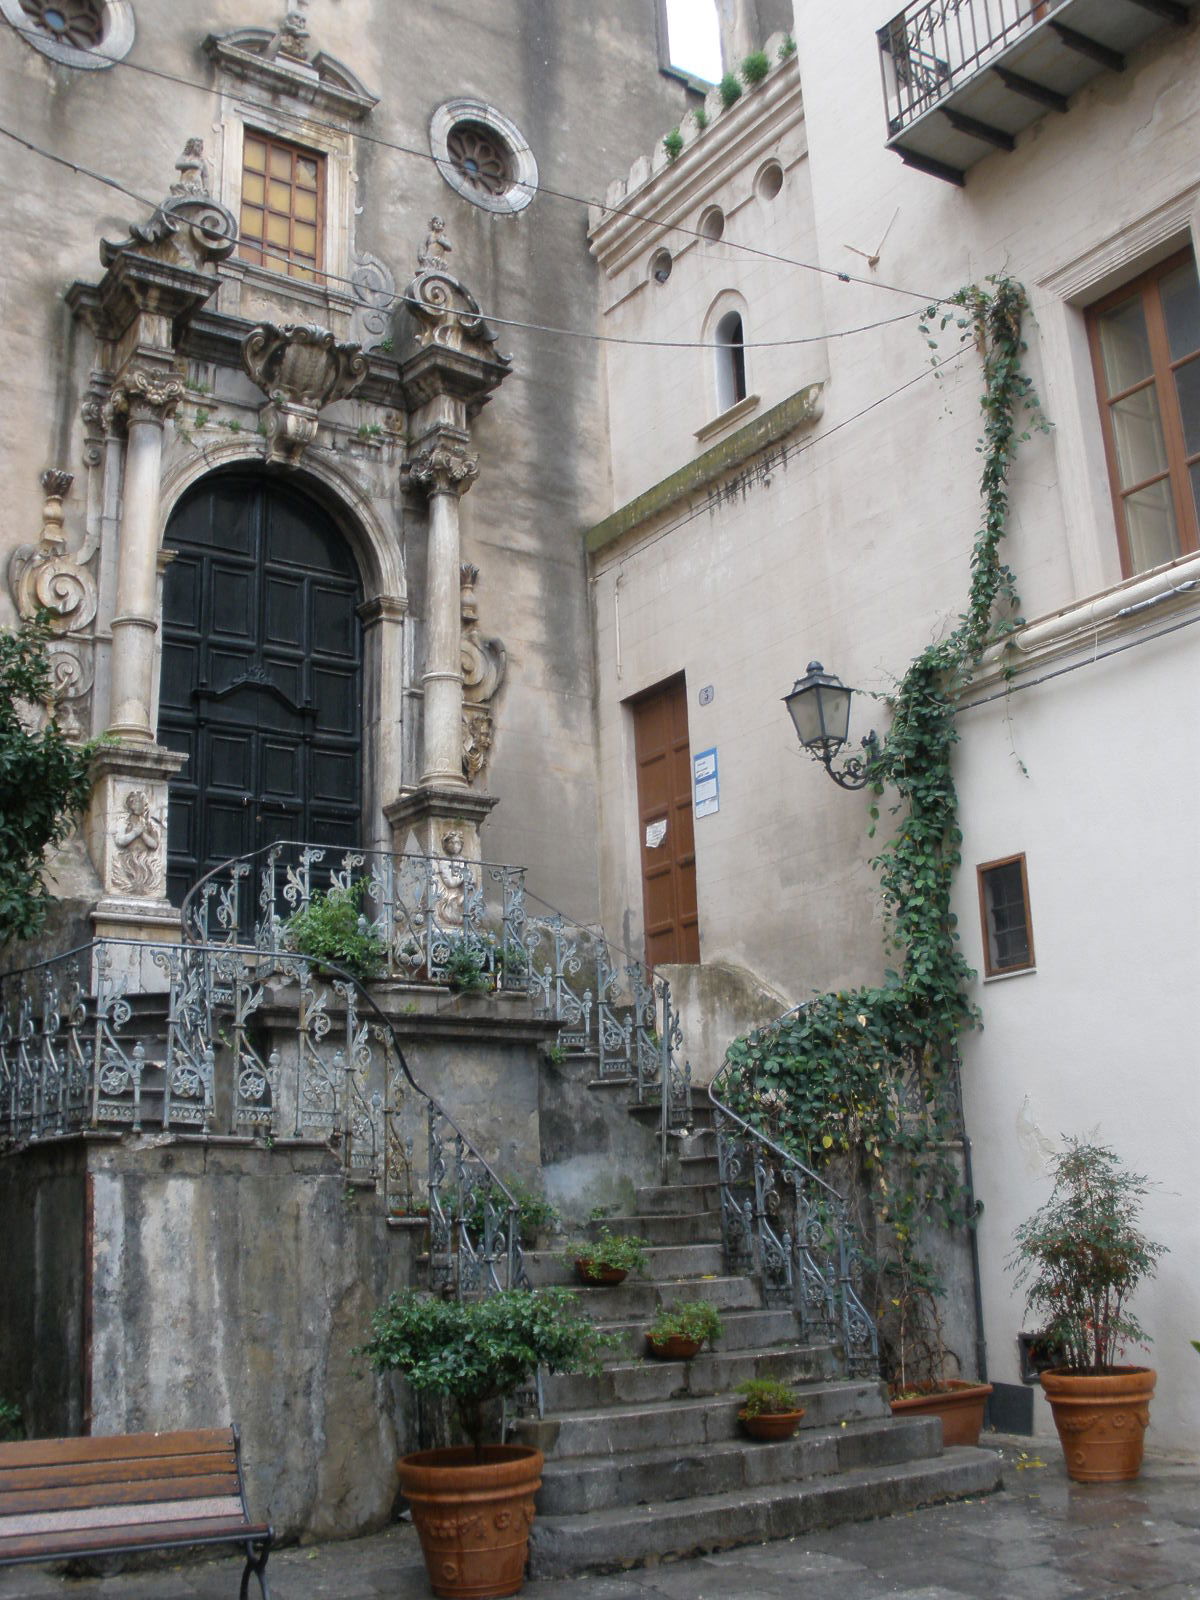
column 576, row 1485
column 754, row 1328
column 673, row 1198
column 664, row 1263
column 691, row 1422
column 626, row 1536
column 635, row 1302
column 671, row 1227
column 695, row 1170
column 625, row 1383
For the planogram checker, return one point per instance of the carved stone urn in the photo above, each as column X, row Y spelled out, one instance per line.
column 301, row 369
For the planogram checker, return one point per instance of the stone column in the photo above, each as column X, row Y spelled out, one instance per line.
column 148, row 399
column 446, row 473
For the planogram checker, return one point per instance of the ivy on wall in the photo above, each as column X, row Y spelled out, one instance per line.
column 862, row 1081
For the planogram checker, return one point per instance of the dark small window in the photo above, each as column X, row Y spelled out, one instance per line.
column 1004, row 908
column 731, row 361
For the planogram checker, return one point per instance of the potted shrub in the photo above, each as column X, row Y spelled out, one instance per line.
column 473, row 1505
column 608, row 1258
column 918, row 1362
column 1083, row 1256
column 678, row 1331
column 771, row 1409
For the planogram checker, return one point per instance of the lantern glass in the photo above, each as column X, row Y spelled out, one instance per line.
column 820, row 709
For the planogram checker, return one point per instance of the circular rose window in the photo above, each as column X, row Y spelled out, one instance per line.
column 483, row 155
column 75, row 33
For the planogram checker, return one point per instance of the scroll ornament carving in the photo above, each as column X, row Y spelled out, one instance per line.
column 46, row 576
column 374, row 288
column 301, row 370
column 189, row 226
column 138, row 867
column 445, row 311
column 443, row 470
column 484, row 663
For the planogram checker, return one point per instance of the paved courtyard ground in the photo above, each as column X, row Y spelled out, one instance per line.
column 1039, row 1538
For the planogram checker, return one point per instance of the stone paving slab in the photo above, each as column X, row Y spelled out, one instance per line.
column 1039, row 1538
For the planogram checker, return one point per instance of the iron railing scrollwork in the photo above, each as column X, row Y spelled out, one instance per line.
column 782, row 1222
column 933, row 46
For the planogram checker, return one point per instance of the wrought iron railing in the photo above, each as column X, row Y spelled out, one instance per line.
column 435, row 917
column 228, row 1041
column 786, row 1225
column 932, row 47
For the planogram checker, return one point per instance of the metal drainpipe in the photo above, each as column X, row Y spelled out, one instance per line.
column 976, row 1283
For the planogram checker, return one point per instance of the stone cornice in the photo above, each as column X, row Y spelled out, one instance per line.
column 133, row 284
column 797, row 411
column 321, row 81
column 662, row 192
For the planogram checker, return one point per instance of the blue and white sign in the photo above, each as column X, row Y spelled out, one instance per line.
column 706, row 784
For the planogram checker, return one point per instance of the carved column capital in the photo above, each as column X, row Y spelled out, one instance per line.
column 146, row 396
column 445, row 469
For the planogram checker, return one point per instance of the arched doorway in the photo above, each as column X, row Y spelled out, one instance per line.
column 261, row 674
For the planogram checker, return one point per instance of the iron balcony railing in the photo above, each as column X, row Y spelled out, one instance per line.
column 932, row 47
column 782, row 1222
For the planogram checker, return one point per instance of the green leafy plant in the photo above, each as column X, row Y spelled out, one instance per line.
column 511, row 961
column 700, row 113
column 476, row 1352
column 755, row 67
column 466, row 965
column 11, row 1425
column 765, row 1397
column 386, row 345
column 608, row 1252
column 864, row 1081
column 690, row 1319
column 729, row 89
column 555, row 1054
column 1083, row 1255
column 234, row 425
column 44, row 780
column 369, row 430
column 332, row 928
column 673, row 144
column 787, row 48
column 202, row 417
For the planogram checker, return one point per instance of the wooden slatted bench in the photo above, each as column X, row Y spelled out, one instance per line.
column 61, row 1499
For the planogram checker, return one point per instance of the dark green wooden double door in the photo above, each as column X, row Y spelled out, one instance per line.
column 261, row 675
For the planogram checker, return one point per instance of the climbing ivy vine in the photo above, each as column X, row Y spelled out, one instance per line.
column 861, row 1083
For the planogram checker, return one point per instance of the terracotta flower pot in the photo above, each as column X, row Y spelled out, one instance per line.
column 473, row 1516
column 771, row 1424
column 1101, row 1421
column 959, row 1404
column 598, row 1276
column 676, row 1348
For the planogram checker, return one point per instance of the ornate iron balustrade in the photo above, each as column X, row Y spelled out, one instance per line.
column 223, row 1041
column 932, row 47
column 432, row 916
column 782, row 1222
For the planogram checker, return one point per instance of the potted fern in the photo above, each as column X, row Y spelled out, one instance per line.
column 678, row 1331
column 770, row 1409
column 1083, row 1256
column 473, row 1504
column 607, row 1259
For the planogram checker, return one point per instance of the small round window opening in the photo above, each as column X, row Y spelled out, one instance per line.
column 483, row 156
column 660, row 266
column 89, row 34
column 770, row 181
column 712, row 223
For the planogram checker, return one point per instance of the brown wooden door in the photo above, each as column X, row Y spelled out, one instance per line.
column 664, row 785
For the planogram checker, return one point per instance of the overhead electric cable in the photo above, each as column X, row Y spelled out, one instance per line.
column 397, row 298
column 533, row 188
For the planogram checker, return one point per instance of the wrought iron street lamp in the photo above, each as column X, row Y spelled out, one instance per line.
column 819, row 705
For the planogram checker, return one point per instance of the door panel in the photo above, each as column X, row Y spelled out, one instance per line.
column 262, row 675
column 667, row 843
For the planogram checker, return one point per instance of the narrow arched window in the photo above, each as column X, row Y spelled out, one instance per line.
column 731, row 361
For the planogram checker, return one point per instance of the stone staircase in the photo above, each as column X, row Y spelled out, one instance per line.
column 646, row 1460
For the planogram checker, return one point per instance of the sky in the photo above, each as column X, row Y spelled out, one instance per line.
column 695, row 42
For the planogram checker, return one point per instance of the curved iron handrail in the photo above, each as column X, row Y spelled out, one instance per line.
column 811, row 1260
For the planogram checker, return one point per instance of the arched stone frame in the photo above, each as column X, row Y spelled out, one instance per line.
column 719, row 381
column 377, row 551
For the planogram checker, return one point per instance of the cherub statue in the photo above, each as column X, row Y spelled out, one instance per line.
column 432, row 255
column 193, row 171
